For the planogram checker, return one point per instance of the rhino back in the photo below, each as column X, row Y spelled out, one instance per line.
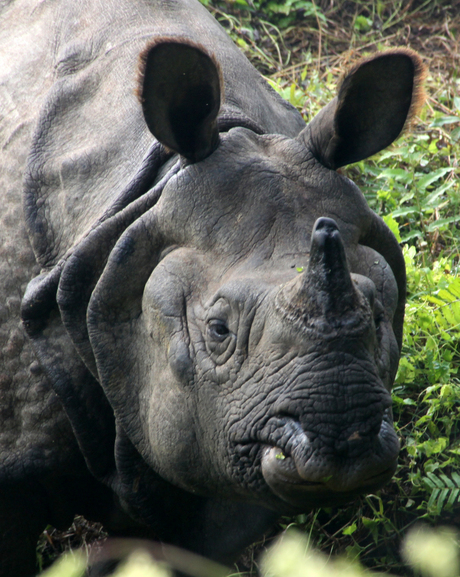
column 91, row 142
column 35, row 436
column 30, row 411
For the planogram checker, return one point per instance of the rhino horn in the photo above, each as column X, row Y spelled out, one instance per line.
column 325, row 289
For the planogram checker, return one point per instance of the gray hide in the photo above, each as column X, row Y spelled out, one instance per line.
column 173, row 374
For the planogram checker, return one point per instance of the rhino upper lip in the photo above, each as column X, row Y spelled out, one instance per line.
column 294, row 437
column 289, row 474
column 296, row 479
column 286, row 474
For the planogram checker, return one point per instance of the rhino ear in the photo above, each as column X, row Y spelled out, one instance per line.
column 375, row 100
column 180, row 90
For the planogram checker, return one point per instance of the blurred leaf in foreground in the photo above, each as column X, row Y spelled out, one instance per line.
column 141, row 564
column 70, row 565
column 433, row 553
column 292, row 556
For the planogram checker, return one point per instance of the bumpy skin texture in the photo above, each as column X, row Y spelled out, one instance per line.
column 43, row 477
column 186, row 382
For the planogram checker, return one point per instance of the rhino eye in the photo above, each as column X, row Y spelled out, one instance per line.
column 218, row 330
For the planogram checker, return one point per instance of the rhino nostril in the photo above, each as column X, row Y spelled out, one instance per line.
column 382, row 425
column 354, row 440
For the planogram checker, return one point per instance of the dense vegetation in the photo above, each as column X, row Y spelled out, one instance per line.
column 302, row 48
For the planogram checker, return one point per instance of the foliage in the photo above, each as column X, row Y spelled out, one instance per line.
column 78, row 536
column 430, row 553
column 281, row 12
column 72, row 564
column 138, row 564
column 433, row 553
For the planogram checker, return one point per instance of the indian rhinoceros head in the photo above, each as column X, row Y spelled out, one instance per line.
column 245, row 314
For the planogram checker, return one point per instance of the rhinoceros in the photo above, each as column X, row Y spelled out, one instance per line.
column 201, row 318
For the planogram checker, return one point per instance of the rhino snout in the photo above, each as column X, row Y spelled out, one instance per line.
column 304, row 471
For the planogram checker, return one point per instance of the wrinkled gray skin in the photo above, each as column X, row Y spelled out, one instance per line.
column 174, row 374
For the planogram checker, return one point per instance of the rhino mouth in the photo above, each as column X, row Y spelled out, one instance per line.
column 283, row 478
column 279, row 468
column 305, row 473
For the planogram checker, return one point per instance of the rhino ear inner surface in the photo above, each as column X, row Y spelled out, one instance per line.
column 375, row 100
column 181, row 88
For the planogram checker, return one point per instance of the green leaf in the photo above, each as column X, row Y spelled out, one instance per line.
column 393, row 226
column 442, row 497
column 433, row 481
column 276, row 8
column 453, row 497
column 454, row 287
column 397, row 173
column 433, row 447
column 404, row 211
column 363, row 24
column 349, row 530
column 372, row 525
column 427, row 179
column 442, row 120
column 412, row 235
column 448, row 295
column 433, row 497
column 448, row 482
column 442, row 222
column 437, row 193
